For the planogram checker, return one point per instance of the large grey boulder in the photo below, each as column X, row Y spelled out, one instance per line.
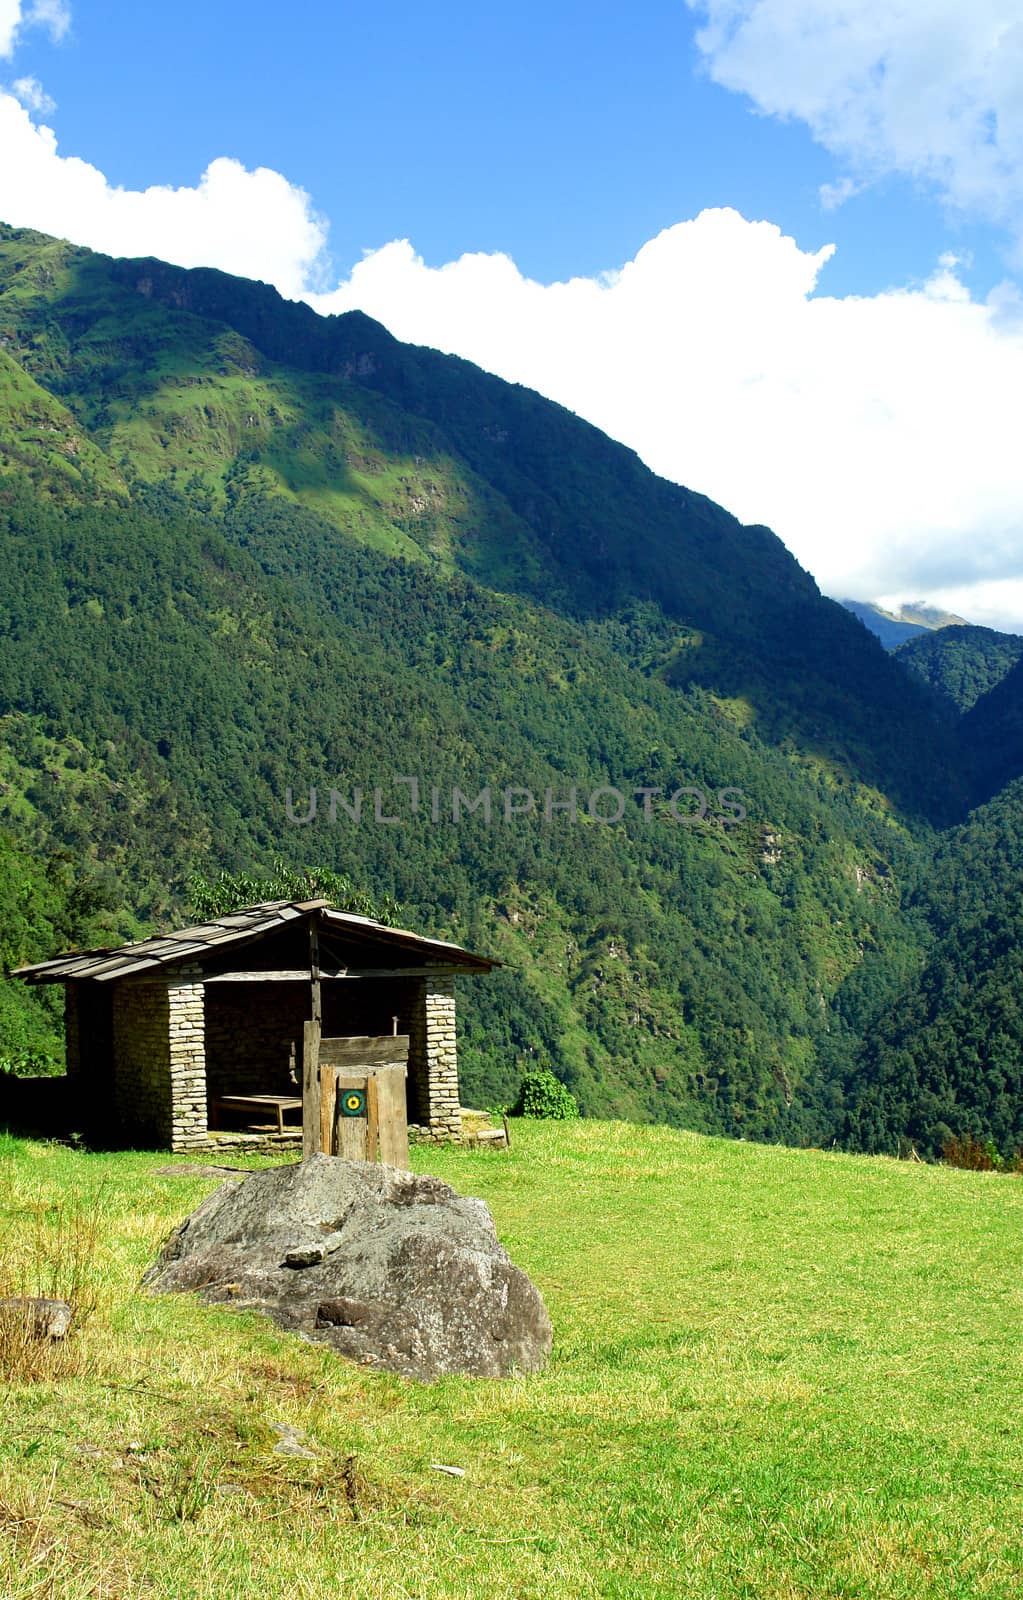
column 392, row 1269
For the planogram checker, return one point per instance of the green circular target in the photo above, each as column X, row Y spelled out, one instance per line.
column 353, row 1103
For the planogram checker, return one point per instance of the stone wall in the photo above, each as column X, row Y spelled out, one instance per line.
column 142, row 1083
column 433, row 1060
column 187, row 1040
column 250, row 1031
column 159, row 1064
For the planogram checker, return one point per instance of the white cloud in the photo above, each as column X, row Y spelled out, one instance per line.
column 877, row 435
column 254, row 223
column 833, row 195
column 928, row 88
column 53, row 15
column 33, row 96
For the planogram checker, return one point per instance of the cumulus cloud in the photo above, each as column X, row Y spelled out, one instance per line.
column 53, row 15
column 927, row 88
column 877, row 435
column 254, row 223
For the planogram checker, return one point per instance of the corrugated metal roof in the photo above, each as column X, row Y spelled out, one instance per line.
column 239, row 927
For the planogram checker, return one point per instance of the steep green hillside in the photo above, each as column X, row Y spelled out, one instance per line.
column 45, row 903
column 939, row 1039
column 668, row 968
column 961, row 664
column 198, row 378
column 992, row 735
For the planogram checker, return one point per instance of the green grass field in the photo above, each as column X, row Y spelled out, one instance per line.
column 776, row 1373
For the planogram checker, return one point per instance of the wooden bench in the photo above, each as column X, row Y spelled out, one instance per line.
column 280, row 1103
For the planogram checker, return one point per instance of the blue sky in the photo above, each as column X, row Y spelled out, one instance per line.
column 861, row 398
column 562, row 133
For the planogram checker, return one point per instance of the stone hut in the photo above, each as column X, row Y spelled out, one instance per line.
column 160, row 1031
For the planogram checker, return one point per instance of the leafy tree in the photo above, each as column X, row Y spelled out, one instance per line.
column 229, row 891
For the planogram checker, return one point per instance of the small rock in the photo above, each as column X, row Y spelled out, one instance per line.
column 290, row 1442
column 44, row 1319
column 311, row 1256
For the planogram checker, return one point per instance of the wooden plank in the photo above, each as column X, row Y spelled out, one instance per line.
column 275, row 975
column 244, row 932
column 393, row 1114
column 310, row 1089
column 328, row 1109
column 254, row 1102
column 306, row 974
column 372, row 1119
column 114, row 965
column 277, row 1103
column 399, row 972
column 351, row 1131
column 366, row 1050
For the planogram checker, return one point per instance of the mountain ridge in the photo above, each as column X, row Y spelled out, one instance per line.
column 515, row 491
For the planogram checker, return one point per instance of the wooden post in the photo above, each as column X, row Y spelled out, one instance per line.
column 310, row 1089
column 311, row 1051
column 372, row 1118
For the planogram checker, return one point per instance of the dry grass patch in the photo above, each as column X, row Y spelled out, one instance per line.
column 49, row 1250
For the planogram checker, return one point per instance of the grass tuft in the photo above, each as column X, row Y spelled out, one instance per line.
column 49, row 1250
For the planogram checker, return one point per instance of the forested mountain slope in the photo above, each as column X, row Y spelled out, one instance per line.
column 961, row 664
column 200, row 378
column 245, row 551
column 992, row 735
column 164, row 690
column 940, row 1046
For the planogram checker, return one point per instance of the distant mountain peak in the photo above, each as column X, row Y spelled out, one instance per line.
column 927, row 616
column 895, row 627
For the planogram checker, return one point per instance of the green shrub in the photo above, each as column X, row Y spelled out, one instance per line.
column 543, row 1095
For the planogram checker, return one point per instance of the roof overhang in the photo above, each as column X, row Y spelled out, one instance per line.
column 213, row 941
